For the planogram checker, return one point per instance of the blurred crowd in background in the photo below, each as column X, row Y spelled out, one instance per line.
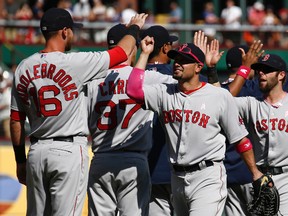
column 97, row 11
column 6, row 78
column 120, row 11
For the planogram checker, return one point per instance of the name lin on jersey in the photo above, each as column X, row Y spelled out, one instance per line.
column 187, row 115
column 48, row 71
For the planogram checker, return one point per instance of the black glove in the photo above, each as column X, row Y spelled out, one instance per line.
column 266, row 198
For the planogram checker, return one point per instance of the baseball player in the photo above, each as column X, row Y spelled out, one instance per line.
column 121, row 131
column 193, row 113
column 238, row 175
column 160, row 203
column 266, row 119
column 48, row 89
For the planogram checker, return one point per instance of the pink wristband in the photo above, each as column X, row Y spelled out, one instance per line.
column 244, row 146
column 244, row 71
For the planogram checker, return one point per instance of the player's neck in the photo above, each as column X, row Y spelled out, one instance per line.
column 54, row 46
column 188, row 87
column 275, row 96
column 157, row 60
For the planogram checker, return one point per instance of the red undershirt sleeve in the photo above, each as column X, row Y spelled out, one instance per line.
column 17, row 116
column 117, row 56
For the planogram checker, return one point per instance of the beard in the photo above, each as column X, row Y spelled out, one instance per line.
column 176, row 77
column 267, row 86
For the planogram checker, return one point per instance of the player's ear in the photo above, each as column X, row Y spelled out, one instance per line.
column 199, row 68
column 165, row 49
column 65, row 32
column 282, row 76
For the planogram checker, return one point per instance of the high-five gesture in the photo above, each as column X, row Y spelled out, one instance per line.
column 211, row 51
column 200, row 40
column 138, row 19
column 213, row 55
column 254, row 53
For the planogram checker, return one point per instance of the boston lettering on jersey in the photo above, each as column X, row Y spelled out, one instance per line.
column 276, row 124
column 110, row 88
column 43, row 71
column 189, row 116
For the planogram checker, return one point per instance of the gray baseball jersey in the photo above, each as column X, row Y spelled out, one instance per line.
column 121, row 138
column 46, row 87
column 192, row 124
column 193, row 121
column 268, row 126
column 115, row 121
column 269, row 129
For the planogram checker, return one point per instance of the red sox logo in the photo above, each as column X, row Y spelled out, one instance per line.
column 266, row 57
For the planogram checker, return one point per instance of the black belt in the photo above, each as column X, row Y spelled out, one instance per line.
column 194, row 167
column 271, row 170
column 63, row 139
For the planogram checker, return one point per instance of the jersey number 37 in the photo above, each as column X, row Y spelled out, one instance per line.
column 113, row 114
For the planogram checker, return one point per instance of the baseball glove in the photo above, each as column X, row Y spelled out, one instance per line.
column 266, row 198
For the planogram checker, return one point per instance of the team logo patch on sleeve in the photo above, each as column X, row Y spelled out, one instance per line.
column 240, row 119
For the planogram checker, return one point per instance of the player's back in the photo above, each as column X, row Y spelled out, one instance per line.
column 49, row 87
column 116, row 122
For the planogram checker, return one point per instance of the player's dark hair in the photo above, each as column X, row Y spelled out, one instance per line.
column 232, row 71
column 155, row 52
column 48, row 35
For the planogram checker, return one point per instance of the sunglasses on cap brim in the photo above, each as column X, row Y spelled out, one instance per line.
column 188, row 51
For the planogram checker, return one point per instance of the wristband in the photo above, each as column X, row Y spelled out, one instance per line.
column 212, row 75
column 20, row 155
column 244, row 146
column 244, row 71
column 134, row 30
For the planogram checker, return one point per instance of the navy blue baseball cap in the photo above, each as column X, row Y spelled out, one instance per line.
column 55, row 19
column 190, row 52
column 160, row 34
column 269, row 63
column 234, row 56
column 116, row 33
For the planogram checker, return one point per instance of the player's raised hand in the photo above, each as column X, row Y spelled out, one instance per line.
column 213, row 55
column 200, row 40
column 254, row 53
column 138, row 19
column 147, row 45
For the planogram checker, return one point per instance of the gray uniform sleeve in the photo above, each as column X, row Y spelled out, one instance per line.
column 153, row 96
column 90, row 65
column 154, row 77
column 243, row 105
column 153, row 89
column 15, row 100
column 231, row 122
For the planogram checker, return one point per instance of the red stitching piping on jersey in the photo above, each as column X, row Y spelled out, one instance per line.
column 75, row 204
column 190, row 91
column 221, row 176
